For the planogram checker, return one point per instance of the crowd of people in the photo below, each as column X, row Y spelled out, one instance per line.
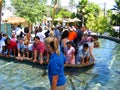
column 73, row 43
column 57, row 47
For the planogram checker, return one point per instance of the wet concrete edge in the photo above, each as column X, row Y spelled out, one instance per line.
column 108, row 37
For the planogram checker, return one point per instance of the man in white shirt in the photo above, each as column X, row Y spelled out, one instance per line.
column 18, row 30
column 2, row 43
column 40, row 34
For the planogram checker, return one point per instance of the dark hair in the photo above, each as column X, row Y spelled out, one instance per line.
column 26, row 29
column 4, row 34
column 95, row 37
column 36, row 29
column 64, row 34
column 52, row 44
column 36, row 37
column 6, row 40
column 21, row 34
column 0, row 35
column 69, row 43
column 85, row 45
column 40, row 29
column 19, row 26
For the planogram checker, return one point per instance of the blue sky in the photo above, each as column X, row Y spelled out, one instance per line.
column 109, row 3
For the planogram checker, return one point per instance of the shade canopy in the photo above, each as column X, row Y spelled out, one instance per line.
column 48, row 18
column 69, row 20
column 76, row 20
column 14, row 20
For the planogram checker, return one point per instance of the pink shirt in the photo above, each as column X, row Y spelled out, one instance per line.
column 13, row 39
column 39, row 47
column 69, row 58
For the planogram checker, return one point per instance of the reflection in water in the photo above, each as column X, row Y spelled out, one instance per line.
column 105, row 74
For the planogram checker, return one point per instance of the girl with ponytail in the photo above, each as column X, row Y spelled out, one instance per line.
column 56, row 64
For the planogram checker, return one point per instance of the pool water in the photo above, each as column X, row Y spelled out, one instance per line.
column 104, row 75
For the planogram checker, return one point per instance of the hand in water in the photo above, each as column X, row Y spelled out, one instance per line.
column 34, row 61
column 18, row 58
column 41, row 61
column 47, row 61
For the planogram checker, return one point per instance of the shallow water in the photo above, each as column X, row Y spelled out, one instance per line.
column 104, row 75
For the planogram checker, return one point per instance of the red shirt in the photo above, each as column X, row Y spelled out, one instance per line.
column 12, row 45
column 39, row 47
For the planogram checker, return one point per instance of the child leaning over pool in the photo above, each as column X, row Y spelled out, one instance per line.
column 38, row 50
column 26, row 48
column 83, row 55
column 11, row 47
column 21, row 49
column 70, row 53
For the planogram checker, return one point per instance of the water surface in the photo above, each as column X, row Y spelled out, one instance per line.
column 104, row 75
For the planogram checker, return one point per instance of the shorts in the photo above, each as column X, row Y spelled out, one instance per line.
column 63, row 87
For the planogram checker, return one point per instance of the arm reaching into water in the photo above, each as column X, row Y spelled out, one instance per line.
column 91, row 54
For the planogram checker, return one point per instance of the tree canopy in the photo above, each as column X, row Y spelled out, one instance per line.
column 93, row 17
column 116, row 16
column 32, row 10
column 63, row 14
column 3, row 3
column 117, row 6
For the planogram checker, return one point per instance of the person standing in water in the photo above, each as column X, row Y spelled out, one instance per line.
column 56, row 65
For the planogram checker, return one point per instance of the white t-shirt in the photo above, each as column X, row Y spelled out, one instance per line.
column 18, row 31
column 30, row 47
column 44, row 31
column 2, row 43
column 41, row 35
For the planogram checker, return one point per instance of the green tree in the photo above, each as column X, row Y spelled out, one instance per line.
column 117, row 6
column 92, row 13
column 63, row 13
column 86, row 10
column 32, row 10
column 91, row 22
column 100, row 23
column 116, row 17
column 73, row 15
column 3, row 3
column 81, row 9
column 93, row 17
column 92, row 8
